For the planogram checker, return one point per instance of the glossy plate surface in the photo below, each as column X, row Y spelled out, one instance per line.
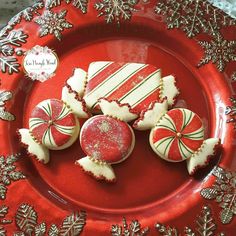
column 147, row 189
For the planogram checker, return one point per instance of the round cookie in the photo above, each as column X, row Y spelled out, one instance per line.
column 53, row 124
column 177, row 135
column 107, row 139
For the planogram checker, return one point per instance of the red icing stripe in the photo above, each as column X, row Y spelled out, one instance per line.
column 194, row 125
column 40, row 113
column 134, row 80
column 192, row 144
column 154, row 96
column 39, row 131
column 103, row 75
column 174, row 152
column 177, row 116
column 59, row 138
column 56, row 108
column 160, row 133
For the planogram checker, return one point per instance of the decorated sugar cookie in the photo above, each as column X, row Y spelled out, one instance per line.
column 53, row 123
column 177, row 135
column 107, row 139
column 135, row 84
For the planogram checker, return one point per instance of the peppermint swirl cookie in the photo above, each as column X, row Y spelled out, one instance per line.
column 177, row 135
column 53, row 124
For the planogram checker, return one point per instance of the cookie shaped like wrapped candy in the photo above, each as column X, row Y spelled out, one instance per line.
column 177, row 135
column 133, row 83
column 107, row 139
column 53, row 123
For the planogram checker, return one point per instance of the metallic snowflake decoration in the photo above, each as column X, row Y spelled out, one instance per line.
column 53, row 23
column 10, row 47
column 8, row 173
column 3, row 220
column 26, row 219
column 205, row 225
column 231, row 111
column 233, row 76
column 116, row 10
column 192, row 16
column 79, row 4
column 5, row 115
column 134, row 228
column 224, row 193
column 219, row 50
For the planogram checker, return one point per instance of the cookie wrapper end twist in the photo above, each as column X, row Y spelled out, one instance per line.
column 107, row 139
column 54, row 123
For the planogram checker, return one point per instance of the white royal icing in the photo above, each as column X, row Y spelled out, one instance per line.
column 98, row 170
column 77, row 82
column 169, row 89
column 113, row 109
column 41, row 152
column 200, row 158
column 151, row 116
column 76, row 105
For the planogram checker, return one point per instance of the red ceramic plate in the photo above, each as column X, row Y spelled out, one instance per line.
column 148, row 190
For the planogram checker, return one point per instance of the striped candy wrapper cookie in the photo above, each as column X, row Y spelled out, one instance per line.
column 129, row 83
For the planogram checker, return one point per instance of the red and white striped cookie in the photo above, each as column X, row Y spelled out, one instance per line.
column 53, row 124
column 177, row 135
column 132, row 83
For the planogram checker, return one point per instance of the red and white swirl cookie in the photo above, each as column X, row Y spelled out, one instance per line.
column 177, row 135
column 53, row 124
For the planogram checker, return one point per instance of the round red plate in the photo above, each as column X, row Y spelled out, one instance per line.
column 148, row 189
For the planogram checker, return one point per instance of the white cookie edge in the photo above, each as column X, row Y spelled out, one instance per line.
column 169, row 89
column 99, row 171
column 149, row 118
column 117, row 110
column 78, row 106
column 40, row 152
column 78, row 81
column 201, row 158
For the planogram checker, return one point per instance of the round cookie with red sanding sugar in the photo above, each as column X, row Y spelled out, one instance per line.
column 107, row 139
column 53, row 124
column 177, row 135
